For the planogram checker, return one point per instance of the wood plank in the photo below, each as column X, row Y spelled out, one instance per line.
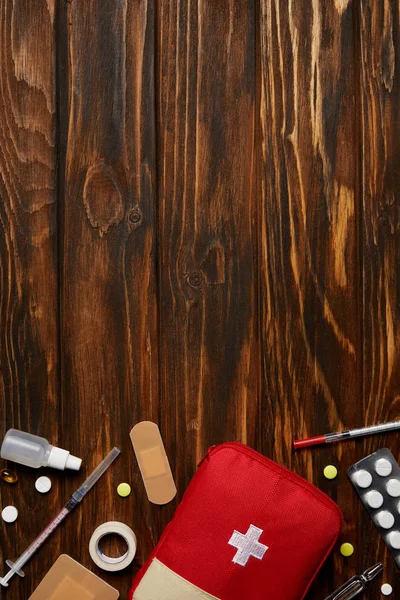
column 29, row 359
column 379, row 109
column 209, row 355
column 309, row 236
column 109, row 311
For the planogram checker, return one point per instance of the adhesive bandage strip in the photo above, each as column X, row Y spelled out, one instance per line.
column 153, row 462
column 106, row 562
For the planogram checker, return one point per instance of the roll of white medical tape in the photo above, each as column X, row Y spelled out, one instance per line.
column 107, row 562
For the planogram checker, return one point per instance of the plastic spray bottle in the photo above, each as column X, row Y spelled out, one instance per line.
column 34, row 451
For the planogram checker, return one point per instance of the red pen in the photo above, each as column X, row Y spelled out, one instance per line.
column 338, row 436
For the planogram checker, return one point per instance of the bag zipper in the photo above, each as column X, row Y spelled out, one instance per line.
column 268, row 461
column 208, row 453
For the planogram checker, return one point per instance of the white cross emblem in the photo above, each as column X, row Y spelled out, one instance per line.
column 247, row 545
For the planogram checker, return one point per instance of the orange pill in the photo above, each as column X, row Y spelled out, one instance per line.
column 8, row 476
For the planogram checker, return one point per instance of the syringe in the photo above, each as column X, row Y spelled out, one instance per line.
column 349, row 434
column 74, row 500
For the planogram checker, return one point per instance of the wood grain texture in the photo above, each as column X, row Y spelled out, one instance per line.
column 199, row 225
column 309, row 243
column 109, row 310
column 209, row 354
column 380, row 139
column 29, row 359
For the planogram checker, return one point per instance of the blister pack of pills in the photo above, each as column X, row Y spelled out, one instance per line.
column 376, row 480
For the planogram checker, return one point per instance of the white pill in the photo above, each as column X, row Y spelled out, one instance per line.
column 386, row 589
column 383, row 467
column 393, row 488
column 394, row 539
column 9, row 514
column 43, row 484
column 374, row 499
column 385, row 519
column 362, row 478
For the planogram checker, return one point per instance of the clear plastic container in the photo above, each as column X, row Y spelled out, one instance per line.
column 34, row 451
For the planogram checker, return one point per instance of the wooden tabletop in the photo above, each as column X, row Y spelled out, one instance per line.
column 199, row 226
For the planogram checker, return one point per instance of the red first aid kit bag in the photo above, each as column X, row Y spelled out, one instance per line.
column 246, row 529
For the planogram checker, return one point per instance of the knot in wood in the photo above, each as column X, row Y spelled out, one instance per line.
column 195, row 279
column 135, row 216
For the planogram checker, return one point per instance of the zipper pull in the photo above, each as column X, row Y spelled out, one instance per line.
column 211, row 448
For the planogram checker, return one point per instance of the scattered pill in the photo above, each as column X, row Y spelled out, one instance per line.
column 8, row 476
column 9, row 514
column 374, row 499
column 393, row 488
column 362, row 478
column 346, row 549
column 385, row 519
column 394, row 539
column 386, row 589
column 383, row 467
column 124, row 489
column 330, row 472
column 43, row 484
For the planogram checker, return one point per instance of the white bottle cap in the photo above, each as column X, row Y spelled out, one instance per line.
column 73, row 463
column 62, row 459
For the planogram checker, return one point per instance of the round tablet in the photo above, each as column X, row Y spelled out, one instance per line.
column 374, row 499
column 362, row 478
column 383, row 467
column 43, row 484
column 124, row 489
column 330, row 472
column 385, row 519
column 394, row 539
column 386, row 589
column 346, row 549
column 9, row 514
column 393, row 488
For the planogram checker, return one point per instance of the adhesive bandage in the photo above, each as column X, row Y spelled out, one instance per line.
column 153, row 462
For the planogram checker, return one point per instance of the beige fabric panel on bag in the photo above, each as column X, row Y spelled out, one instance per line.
column 160, row 583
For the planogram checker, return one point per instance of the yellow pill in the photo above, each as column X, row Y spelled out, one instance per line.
column 346, row 549
column 124, row 489
column 330, row 472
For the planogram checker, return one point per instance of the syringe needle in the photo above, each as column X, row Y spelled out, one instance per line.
column 74, row 500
